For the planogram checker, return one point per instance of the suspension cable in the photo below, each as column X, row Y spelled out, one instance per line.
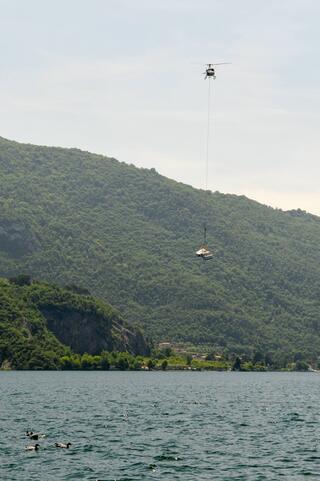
column 207, row 156
column 208, row 135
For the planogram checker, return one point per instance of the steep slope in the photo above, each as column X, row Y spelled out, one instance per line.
column 130, row 234
column 40, row 322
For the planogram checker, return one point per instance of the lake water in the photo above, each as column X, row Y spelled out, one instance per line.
column 161, row 426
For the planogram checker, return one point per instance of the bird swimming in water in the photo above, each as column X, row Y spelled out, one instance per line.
column 62, row 445
column 33, row 448
column 35, row 436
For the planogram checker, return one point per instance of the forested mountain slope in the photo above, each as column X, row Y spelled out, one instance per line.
column 40, row 322
column 130, row 234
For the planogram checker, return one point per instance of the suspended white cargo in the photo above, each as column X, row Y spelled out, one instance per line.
column 204, row 253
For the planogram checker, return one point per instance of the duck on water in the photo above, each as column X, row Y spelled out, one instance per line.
column 33, row 448
column 34, row 436
column 62, row 445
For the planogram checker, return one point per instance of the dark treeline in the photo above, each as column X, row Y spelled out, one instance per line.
column 163, row 360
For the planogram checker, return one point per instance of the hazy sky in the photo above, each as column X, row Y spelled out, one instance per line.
column 123, row 78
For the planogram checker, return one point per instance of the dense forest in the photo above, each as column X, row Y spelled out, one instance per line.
column 129, row 235
column 42, row 323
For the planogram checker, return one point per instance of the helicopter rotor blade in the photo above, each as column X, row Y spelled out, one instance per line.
column 208, row 64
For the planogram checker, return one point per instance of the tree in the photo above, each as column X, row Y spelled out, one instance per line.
column 164, row 364
column 86, row 361
column 188, row 360
column 237, row 364
column 104, row 361
column 135, row 365
column 150, row 364
column 122, row 363
column 258, row 357
column 301, row 366
column 268, row 359
column 66, row 363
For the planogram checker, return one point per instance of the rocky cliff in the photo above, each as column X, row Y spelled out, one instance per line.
column 41, row 322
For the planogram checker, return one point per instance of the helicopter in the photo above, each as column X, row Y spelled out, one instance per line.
column 210, row 71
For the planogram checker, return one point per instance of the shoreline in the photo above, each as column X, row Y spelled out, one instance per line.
column 164, row 370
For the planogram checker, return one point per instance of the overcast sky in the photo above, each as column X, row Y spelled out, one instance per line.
column 124, row 78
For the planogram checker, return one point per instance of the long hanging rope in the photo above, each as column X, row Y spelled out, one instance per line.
column 205, row 234
column 208, row 134
column 207, row 154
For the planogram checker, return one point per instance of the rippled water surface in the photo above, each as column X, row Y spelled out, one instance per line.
column 161, row 426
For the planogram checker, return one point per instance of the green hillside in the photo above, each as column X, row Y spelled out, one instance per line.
column 130, row 235
column 40, row 322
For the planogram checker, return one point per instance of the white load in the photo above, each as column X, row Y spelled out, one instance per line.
column 204, row 253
